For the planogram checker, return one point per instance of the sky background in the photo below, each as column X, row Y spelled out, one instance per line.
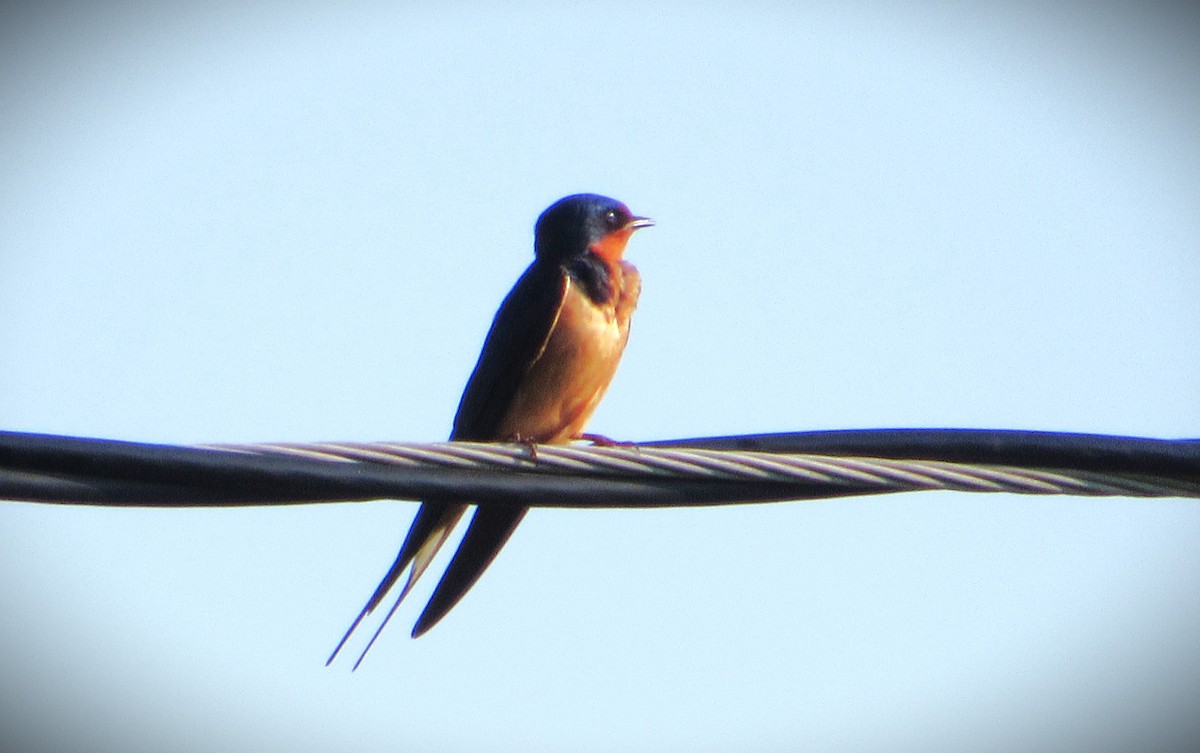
column 255, row 221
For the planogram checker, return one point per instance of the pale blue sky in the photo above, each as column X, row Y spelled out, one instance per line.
column 252, row 221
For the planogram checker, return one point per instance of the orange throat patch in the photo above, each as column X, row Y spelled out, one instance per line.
column 611, row 247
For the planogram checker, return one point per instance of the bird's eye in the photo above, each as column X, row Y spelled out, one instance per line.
column 614, row 219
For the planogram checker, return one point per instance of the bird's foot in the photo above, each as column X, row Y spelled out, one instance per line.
column 529, row 445
column 599, row 440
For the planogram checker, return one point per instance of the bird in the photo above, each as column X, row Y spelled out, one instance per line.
column 546, row 362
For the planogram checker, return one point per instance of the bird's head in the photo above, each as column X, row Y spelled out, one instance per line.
column 584, row 223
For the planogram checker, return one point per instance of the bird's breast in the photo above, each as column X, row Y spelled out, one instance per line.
column 565, row 383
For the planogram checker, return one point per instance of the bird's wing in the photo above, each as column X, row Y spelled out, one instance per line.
column 517, row 337
column 489, row 530
column 516, row 340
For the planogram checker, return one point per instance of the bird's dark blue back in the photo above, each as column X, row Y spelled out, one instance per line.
column 517, row 335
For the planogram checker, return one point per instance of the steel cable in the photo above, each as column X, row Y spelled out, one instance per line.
column 705, row 471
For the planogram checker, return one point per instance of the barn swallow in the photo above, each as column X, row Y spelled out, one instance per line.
column 551, row 352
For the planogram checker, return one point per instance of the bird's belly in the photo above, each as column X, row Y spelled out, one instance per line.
column 564, row 385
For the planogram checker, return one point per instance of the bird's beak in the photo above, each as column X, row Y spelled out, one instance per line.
column 640, row 222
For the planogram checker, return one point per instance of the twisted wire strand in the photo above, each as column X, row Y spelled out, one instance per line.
column 703, row 471
column 634, row 462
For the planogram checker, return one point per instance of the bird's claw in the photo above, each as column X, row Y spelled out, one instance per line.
column 529, row 445
column 599, row 440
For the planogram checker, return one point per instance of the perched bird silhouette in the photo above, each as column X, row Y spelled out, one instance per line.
column 549, row 357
